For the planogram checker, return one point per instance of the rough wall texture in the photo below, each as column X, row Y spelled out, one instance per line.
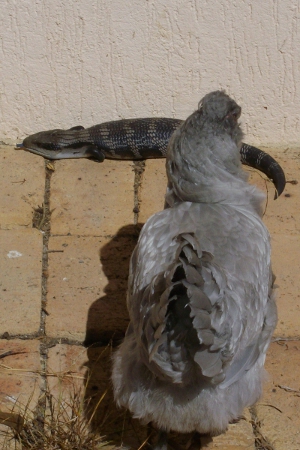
column 82, row 62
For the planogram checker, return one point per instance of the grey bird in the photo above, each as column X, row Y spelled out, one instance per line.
column 200, row 297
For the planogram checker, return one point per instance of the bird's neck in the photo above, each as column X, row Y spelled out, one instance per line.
column 237, row 193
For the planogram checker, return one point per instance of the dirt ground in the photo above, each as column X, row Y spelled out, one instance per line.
column 67, row 231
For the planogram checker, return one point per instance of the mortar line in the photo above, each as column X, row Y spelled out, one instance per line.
column 139, row 168
column 45, row 227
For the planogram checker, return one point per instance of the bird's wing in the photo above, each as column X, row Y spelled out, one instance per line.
column 175, row 322
column 187, row 311
column 248, row 356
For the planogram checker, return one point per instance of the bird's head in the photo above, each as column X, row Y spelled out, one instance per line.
column 203, row 158
column 221, row 111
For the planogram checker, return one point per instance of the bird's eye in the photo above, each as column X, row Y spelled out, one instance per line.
column 232, row 116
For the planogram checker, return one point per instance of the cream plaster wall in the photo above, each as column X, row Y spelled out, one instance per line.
column 65, row 63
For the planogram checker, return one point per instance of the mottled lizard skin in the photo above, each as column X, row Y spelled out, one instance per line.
column 132, row 139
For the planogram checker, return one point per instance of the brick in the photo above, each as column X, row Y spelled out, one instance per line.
column 19, row 379
column 286, row 266
column 278, row 410
column 66, row 369
column 20, row 281
column 87, row 286
column 91, row 199
column 153, row 188
column 21, row 186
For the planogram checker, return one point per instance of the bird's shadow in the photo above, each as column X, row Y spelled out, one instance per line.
column 106, row 325
column 107, row 316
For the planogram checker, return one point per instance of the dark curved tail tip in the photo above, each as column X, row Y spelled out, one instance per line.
column 279, row 182
column 20, row 145
column 254, row 157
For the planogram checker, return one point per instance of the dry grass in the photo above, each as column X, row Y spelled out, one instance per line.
column 261, row 443
column 62, row 426
column 68, row 409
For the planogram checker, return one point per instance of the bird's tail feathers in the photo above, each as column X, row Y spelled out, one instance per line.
column 179, row 340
